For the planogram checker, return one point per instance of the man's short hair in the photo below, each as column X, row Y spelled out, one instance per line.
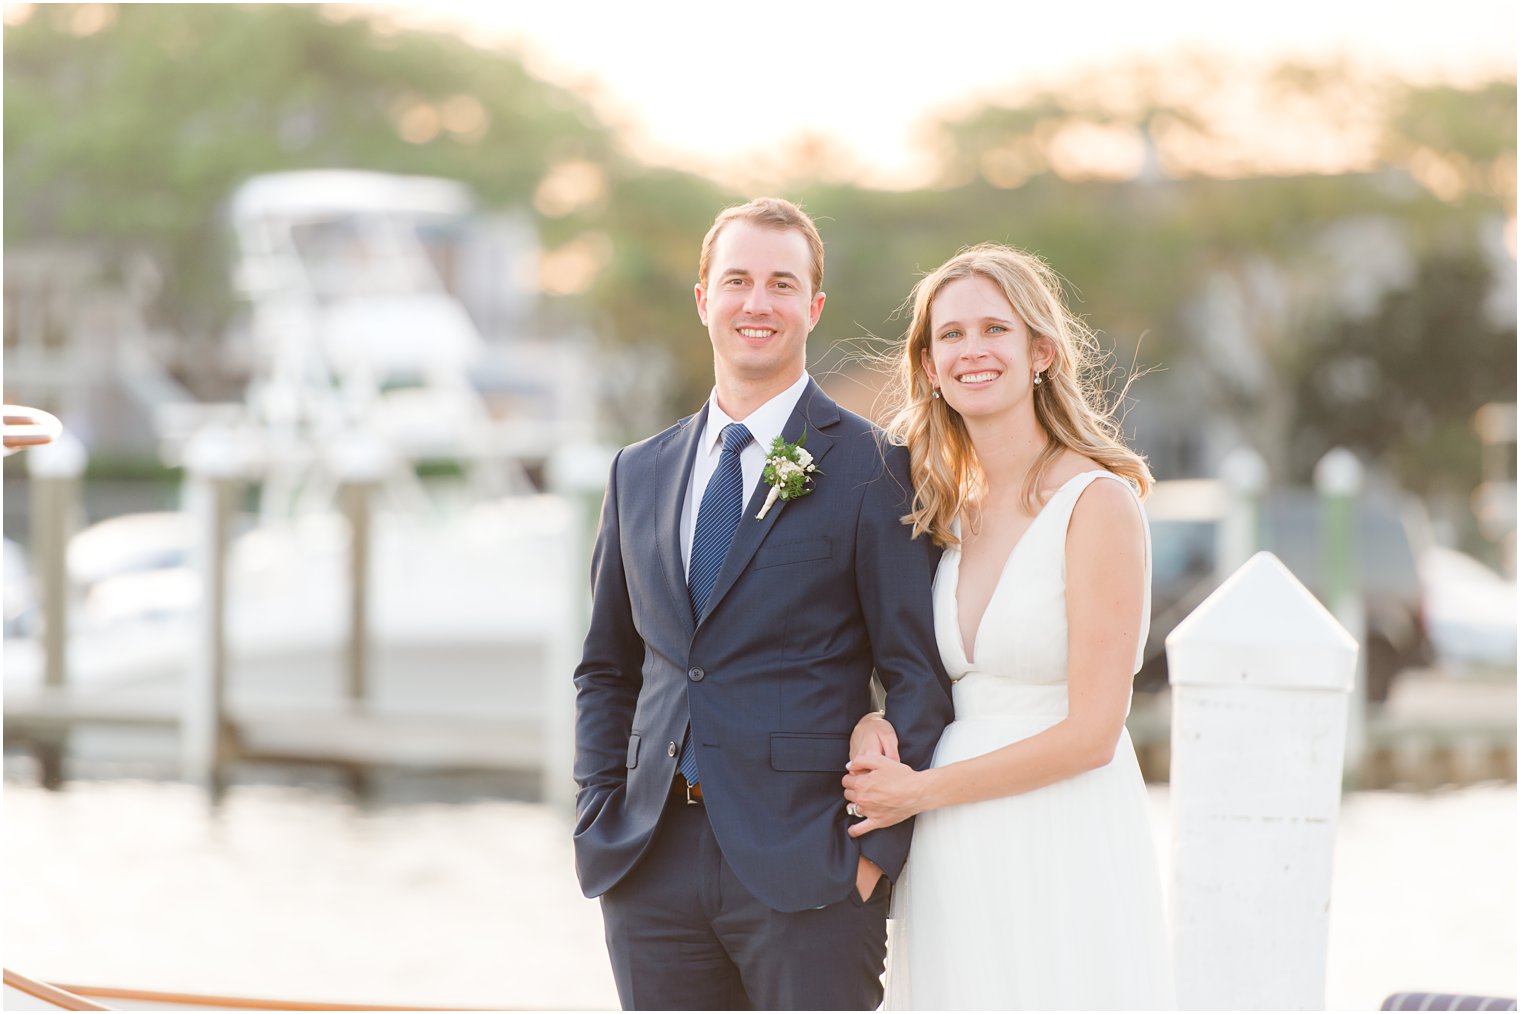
column 774, row 213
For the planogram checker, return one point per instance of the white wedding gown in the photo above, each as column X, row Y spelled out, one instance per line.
column 1048, row 899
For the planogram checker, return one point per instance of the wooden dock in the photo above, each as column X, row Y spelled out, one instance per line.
column 1434, row 731
column 354, row 738
column 437, row 709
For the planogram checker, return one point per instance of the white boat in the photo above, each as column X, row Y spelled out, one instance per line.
column 355, row 341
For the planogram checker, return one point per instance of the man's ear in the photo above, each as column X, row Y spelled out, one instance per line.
column 701, row 295
column 815, row 311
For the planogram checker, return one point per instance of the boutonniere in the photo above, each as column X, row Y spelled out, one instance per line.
column 789, row 470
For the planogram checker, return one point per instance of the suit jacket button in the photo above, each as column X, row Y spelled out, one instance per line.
column 670, row 751
column 695, row 674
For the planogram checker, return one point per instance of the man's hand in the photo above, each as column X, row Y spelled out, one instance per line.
column 866, row 877
column 873, row 734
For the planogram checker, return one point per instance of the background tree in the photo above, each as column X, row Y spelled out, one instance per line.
column 131, row 124
column 1400, row 386
column 1191, row 205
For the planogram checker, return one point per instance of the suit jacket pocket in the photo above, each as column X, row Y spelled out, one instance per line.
column 801, row 751
column 633, row 751
column 776, row 554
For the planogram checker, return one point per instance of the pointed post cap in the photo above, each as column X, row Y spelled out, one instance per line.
column 1263, row 628
column 1244, row 470
column 1338, row 473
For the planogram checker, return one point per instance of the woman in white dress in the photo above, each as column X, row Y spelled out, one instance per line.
column 1032, row 881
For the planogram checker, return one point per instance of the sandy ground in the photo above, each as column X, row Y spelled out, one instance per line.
column 298, row 893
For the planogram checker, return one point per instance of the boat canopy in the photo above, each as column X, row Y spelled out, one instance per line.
column 322, row 193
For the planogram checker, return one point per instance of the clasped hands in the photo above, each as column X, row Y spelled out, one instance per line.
column 882, row 788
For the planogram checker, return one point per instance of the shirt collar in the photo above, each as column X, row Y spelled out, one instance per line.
column 765, row 423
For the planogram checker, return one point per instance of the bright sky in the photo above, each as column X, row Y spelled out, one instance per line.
column 720, row 88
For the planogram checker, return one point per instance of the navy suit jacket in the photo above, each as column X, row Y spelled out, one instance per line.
column 810, row 600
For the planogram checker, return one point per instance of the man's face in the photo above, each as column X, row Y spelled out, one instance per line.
column 758, row 302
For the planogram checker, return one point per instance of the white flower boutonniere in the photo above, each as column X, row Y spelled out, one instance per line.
column 789, row 470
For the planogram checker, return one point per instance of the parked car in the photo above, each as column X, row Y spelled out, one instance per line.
column 1470, row 610
column 1185, row 518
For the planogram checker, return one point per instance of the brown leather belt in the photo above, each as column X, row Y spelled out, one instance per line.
column 691, row 795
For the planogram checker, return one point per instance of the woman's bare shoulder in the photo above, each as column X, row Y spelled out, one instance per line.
column 1064, row 469
column 1108, row 512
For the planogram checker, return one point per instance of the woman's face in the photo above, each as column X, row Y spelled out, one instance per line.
column 980, row 355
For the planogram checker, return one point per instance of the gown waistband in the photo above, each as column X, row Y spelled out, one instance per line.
column 978, row 695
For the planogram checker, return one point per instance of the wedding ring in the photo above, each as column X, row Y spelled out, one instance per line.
column 853, row 809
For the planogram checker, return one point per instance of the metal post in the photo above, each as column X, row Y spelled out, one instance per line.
column 1260, row 674
column 1338, row 478
column 578, row 474
column 54, row 472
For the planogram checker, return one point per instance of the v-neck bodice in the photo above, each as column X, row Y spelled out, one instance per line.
column 1022, row 635
column 968, row 648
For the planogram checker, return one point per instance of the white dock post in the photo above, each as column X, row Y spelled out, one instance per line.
column 578, row 473
column 1243, row 474
column 53, row 471
column 217, row 464
column 1260, row 675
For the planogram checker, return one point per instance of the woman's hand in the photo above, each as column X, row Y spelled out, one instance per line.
column 873, row 734
column 887, row 791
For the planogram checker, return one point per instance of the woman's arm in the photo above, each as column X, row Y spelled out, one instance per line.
column 1105, row 589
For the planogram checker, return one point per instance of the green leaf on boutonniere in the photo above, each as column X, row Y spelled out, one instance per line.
column 789, row 471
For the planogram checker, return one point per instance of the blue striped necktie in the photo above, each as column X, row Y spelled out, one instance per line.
column 717, row 519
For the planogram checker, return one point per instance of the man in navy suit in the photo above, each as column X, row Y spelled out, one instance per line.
column 730, row 654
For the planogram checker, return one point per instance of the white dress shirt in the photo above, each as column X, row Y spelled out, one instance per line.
column 764, row 424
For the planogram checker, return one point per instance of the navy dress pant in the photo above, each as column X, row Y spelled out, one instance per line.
column 684, row 934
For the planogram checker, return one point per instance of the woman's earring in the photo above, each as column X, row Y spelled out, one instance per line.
column 1037, row 380
column 936, row 392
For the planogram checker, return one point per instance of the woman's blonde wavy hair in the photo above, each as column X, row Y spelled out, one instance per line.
column 1070, row 404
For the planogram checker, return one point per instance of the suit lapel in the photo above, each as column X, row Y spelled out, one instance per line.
column 814, row 412
column 672, row 475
